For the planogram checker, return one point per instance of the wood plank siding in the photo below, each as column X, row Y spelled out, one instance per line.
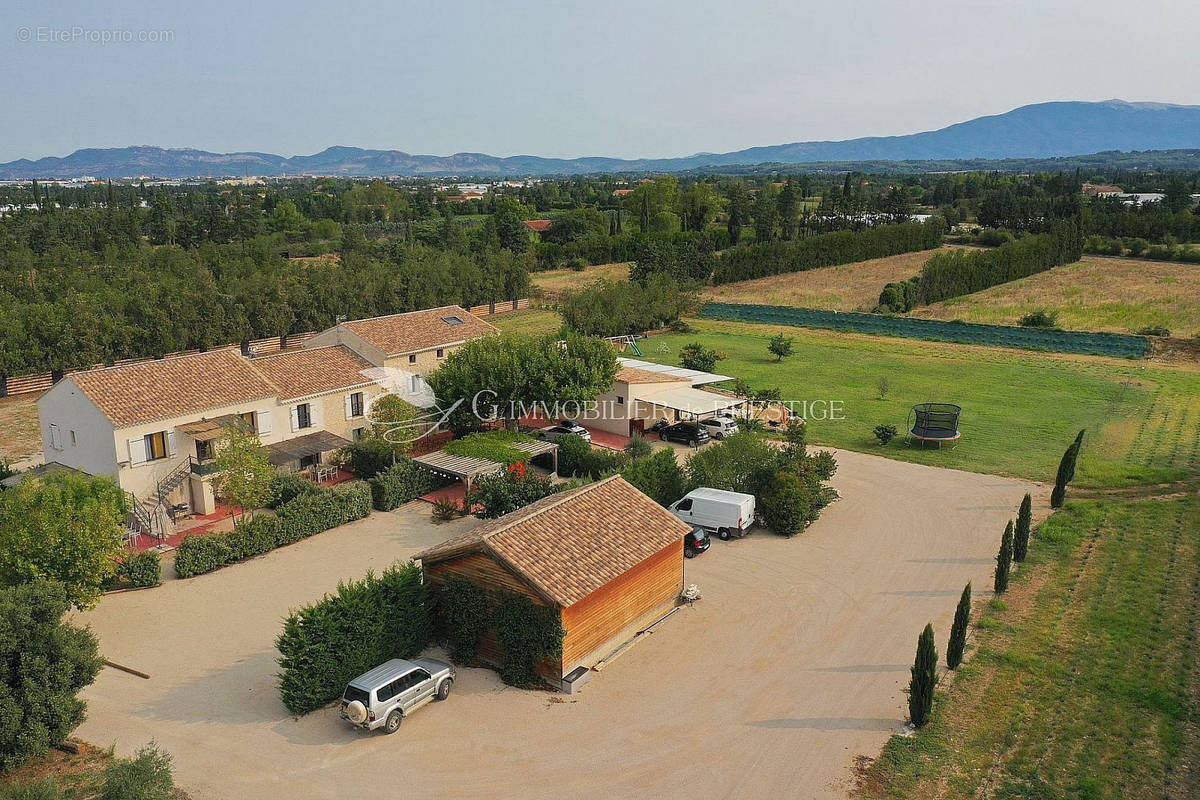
column 620, row 606
column 483, row 571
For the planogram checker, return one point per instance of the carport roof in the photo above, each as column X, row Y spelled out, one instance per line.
column 697, row 377
column 467, row 467
column 693, row 401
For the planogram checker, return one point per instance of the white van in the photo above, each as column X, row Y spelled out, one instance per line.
column 727, row 513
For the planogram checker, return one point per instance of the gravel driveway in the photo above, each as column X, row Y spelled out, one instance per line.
column 793, row 664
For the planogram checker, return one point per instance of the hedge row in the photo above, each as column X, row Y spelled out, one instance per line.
column 825, row 250
column 327, row 644
column 960, row 272
column 400, row 483
column 304, row 515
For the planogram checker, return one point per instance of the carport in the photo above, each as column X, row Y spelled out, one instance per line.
column 468, row 468
column 695, row 403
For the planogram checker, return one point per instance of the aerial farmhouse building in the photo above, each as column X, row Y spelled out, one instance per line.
column 154, row 425
column 644, row 392
column 605, row 556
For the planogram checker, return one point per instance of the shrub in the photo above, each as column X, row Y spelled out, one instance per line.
column 141, row 570
column 465, row 612
column 577, row 264
column 253, row 537
column 304, row 515
column 781, row 346
column 400, row 483
column 697, row 356
column 577, row 458
column 367, row 458
column 958, row 631
column 659, row 477
column 1039, row 319
column 1004, row 560
column 288, row 486
column 446, row 509
column 788, row 504
column 499, row 494
column 198, row 554
column 527, row 633
column 45, row 661
column 1153, row 330
column 1024, row 522
column 924, row 678
column 147, row 776
column 885, row 433
column 741, row 462
column 42, row 790
column 1137, row 246
column 326, row 644
column 1161, row 252
column 994, row 237
column 638, row 446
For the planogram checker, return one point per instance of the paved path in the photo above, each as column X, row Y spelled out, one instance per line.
column 793, row 664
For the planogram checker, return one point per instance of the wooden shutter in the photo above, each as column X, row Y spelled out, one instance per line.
column 262, row 422
column 55, row 437
column 316, row 413
column 295, row 418
column 349, row 406
column 137, row 451
column 171, row 443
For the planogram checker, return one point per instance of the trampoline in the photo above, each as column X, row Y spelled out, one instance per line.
column 934, row 422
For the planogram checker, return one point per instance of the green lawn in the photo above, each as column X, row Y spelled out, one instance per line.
column 1020, row 410
column 1082, row 686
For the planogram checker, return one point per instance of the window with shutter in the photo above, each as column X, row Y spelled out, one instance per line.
column 55, row 437
column 262, row 422
column 137, row 451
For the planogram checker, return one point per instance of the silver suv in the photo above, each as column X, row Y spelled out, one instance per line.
column 384, row 696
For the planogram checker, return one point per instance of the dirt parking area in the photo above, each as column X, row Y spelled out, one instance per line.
column 793, row 663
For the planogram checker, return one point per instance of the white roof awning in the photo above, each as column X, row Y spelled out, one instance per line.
column 693, row 401
column 694, row 375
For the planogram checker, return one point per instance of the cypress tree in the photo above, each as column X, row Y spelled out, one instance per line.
column 924, row 678
column 1004, row 559
column 1066, row 472
column 958, row 632
column 1021, row 537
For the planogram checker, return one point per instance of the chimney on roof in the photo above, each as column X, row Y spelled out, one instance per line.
column 246, row 348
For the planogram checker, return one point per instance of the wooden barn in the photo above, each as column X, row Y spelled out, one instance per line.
column 605, row 555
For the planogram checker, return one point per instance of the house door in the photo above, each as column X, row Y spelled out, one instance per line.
column 637, row 426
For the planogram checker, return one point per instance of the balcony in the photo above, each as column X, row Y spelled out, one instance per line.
column 204, row 466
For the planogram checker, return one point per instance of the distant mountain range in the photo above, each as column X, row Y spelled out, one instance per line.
column 1041, row 130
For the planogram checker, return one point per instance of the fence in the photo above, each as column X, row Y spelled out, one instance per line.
column 1080, row 342
column 36, row 384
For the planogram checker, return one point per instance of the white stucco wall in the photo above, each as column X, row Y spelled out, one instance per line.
column 90, row 450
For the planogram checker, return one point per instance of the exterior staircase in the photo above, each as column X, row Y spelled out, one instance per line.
column 154, row 515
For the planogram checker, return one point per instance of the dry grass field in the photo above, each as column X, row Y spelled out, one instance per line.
column 1095, row 294
column 19, row 436
column 846, row 287
column 559, row 280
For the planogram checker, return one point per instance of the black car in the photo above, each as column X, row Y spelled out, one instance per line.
column 695, row 542
column 687, row 432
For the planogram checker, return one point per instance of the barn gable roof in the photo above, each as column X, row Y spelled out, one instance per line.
column 569, row 544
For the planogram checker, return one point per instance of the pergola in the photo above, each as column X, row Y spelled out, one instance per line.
column 468, row 468
column 289, row 450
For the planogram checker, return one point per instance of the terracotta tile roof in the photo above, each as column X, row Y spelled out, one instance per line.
column 570, row 544
column 635, row 375
column 419, row 330
column 538, row 225
column 172, row 387
column 300, row 373
column 622, row 192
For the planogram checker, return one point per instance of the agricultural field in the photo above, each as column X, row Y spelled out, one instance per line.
column 528, row 322
column 19, row 436
column 1020, row 409
column 1095, row 294
column 846, row 287
column 1082, row 680
column 555, row 281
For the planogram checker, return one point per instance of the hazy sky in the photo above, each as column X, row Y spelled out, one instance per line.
column 564, row 78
